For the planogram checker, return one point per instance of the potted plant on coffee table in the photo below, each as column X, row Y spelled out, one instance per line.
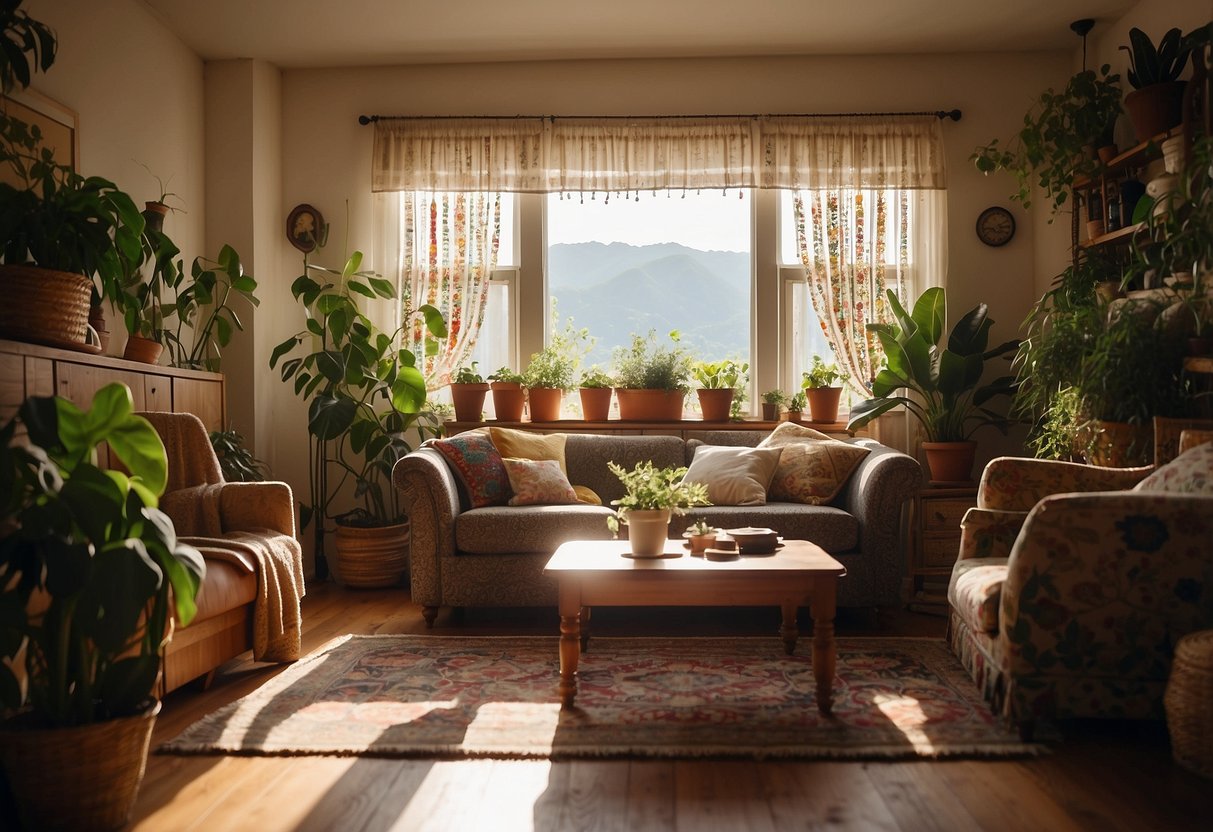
column 652, row 378
column 651, row 496
column 595, row 392
column 365, row 396
column 942, row 383
column 91, row 573
column 822, row 388
column 509, row 395
column 468, row 389
column 718, row 383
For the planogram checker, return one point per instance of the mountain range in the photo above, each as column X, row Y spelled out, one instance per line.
column 616, row 289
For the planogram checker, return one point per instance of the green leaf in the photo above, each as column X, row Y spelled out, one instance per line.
column 408, row 392
column 930, row 312
column 361, row 289
column 971, row 333
column 382, row 287
column 137, row 444
column 866, row 411
column 329, row 418
column 282, row 349
column 434, row 321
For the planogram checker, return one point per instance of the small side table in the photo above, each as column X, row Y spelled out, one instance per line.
column 935, row 527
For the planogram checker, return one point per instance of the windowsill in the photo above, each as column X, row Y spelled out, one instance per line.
column 582, row 426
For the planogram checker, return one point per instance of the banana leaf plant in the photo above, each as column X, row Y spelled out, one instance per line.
column 942, row 385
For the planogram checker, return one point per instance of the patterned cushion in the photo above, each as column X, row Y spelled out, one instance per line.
column 989, row 533
column 813, row 467
column 538, row 482
column 1189, row 473
column 975, row 591
column 734, row 476
column 477, row 466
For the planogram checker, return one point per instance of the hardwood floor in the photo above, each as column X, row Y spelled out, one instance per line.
column 1103, row 776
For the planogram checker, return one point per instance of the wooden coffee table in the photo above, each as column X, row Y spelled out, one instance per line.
column 596, row 573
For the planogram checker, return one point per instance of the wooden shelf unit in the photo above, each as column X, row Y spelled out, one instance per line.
column 1107, row 181
column 935, row 525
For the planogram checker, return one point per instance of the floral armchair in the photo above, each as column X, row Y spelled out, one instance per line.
column 1070, row 591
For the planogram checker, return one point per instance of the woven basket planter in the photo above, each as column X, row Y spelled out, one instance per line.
column 44, row 306
column 1189, row 703
column 372, row 558
column 79, row 779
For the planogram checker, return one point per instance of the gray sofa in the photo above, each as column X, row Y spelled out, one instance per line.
column 494, row 556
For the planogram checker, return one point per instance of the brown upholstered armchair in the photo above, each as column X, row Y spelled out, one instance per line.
column 254, row 565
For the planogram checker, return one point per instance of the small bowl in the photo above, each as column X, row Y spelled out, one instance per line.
column 754, row 539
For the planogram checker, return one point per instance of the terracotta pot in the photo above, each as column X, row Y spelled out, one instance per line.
column 792, row 415
column 1095, row 228
column 141, row 349
column 699, row 542
column 595, row 403
column 44, row 306
column 647, row 531
column 545, row 403
column 770, row 412
column 950, row 461
column 714, row 405
column 823, row 403
column 80, row 778
column 154, row 214
column 469, row 401
column 1155, row 109
column 372, row 557
column 508, row 400
column 1119, row 444
column 649, row 405
column 1107, row 153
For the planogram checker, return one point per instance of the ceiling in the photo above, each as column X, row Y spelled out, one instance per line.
column 323, row 33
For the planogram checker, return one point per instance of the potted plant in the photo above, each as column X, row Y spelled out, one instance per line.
column 651, row 379
column 365, row 394
column 797, row 402
column 553, row 370
column 772, row 403
column 1156, row 103
column 468, row 389
column 235, row 459
column 948, row 397
column 718, row 383
column 1055, row 144
column 822, row 389
column 90, row 574
column 595, row 392
column 509, row 397
column 700, row 535
column 651, row 496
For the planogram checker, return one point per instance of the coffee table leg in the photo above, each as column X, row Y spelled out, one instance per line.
column 788, row 628
column 824, row 656
column 570, row 644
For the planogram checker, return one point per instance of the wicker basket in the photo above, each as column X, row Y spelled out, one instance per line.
column 83, row 778
column 372, row 558
column 1189, row 703
column 43, row 306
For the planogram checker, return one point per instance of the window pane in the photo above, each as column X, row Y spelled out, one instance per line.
column 666, row 261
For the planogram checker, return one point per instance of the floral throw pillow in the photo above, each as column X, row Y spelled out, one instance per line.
column 477, row 466
column 1189, row 473
column 538, row 482
column 813, row 468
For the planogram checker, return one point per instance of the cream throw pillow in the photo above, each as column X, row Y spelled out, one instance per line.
column 813, row 467
column 734, row 476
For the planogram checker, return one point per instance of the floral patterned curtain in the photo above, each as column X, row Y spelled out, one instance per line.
column 446, row 256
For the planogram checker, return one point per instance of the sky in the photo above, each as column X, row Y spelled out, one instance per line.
column 708, row 221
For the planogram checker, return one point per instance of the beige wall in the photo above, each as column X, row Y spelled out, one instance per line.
column 138, row 91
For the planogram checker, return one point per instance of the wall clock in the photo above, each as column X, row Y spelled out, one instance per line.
column 995, row 226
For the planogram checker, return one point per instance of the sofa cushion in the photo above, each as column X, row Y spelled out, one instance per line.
column 975, row 592
column 523, row 444
column 1189, row 473
column 476, row 464
column 538, row 482
column 813, row 467
column 587, row 456
column 734, row 476
column 830, row 528
column 505, row 530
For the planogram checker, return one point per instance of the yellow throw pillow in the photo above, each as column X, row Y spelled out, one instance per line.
column 811, row 470
column 734, row 476
column 523, row 444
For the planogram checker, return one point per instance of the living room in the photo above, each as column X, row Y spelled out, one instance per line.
column 247, row 110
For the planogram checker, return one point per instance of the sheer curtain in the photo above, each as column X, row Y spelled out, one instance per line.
column 442, row 249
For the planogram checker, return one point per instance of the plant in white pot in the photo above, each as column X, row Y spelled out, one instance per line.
column 365, row 395
column 91, row 576
column 651, row 496
column 947, row 398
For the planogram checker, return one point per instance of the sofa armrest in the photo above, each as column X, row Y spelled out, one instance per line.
column 1012, row 483
column 1103, row 584
column 430, row 499
column 244, row 506
column 989, row 533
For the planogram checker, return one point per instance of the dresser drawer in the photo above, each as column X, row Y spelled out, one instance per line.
column 939, row 549
column 944, row 514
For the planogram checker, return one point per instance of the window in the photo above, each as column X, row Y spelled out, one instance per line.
column 653, row 261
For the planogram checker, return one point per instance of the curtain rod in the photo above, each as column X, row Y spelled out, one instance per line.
column 940, row 114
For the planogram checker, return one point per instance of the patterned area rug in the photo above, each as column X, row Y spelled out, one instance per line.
column 451, row 697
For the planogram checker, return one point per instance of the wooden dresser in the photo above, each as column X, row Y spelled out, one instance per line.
column 937, row 515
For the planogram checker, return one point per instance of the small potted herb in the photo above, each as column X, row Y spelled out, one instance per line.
column 796, row 406
column 508, row 396
column 823, row 388
column 700, row 535
column 595, row 392
column 553, row 371
column 468, row 389
column 718, row 383
column 772, row 404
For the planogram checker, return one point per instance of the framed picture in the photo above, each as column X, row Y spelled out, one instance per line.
column 59, row 126
column 304, row 227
